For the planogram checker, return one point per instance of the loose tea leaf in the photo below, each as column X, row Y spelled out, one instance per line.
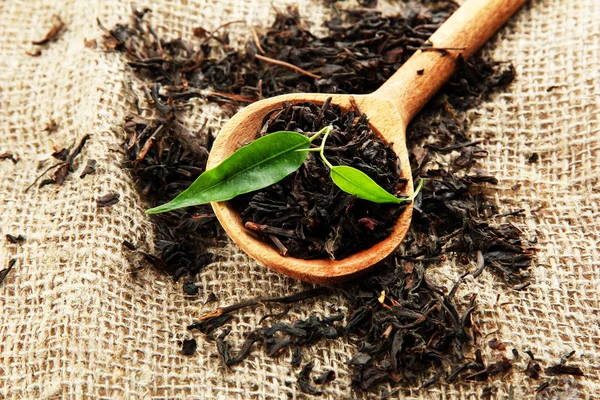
column 563, row 369
column 165, row 158
column 252, row 167
column 304, row 380
column 542, row 387
column 188, row 347
column 90, row 168
column 8, row 156
column 108, row 200
column 496, row 344
column 52, row 33
column 63, row 168
column 190, row 288
column 325, row 377
column 15, row 239
column 5, row 271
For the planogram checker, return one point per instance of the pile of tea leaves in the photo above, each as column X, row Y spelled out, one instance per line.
column 362, row 49
column 404, row 324
column 306, row 215
column 166, row 158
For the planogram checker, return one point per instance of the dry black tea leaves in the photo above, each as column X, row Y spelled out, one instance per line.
column 417, row 329
column 362, row 61
column 52, row 33
column 487, row 392
column 129, row 245
column 498, row 367
column 563, row 369
column 108, row 200
column 36, row 53
column 190, row 288
column 165, row 158
column 454, row 217
column 296, row 357
column 533, row 369
column 90, row 168
column 326, row 377
column 188, row 347
column 533, row 158
column 304, row 380
column 66, row 156
column 417, row 326
column 306, row 211
column 8, row 156
column 15, row 239
column 5, row 271
column 542, row 387
column 361, row 50
column 496, row 344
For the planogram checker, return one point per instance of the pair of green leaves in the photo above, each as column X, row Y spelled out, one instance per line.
column 267, row 161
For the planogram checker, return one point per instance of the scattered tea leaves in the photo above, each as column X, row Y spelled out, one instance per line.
column 129, row 245
column 15, row 239
column 533, row 158
column 542, row 387
column 52, row 33
column 563, row 369
column 296, row 357
column 190, row 288
column 90, row 168
column 188, row 347
column 5, row 271
column 108, row 200
column 63, row 168
column 165, row 158
column 36, row 53
column 449, row 214
column 487, row 392
column 326, row 377
column 304, row 380
column 8, row 156
column 496, row 344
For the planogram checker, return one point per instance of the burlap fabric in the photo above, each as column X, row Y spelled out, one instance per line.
column 74, row 321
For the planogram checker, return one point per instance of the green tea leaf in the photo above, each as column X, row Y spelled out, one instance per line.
column 357, row 183
column 259, row 164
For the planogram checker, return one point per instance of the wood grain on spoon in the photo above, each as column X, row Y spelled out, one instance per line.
column 389, row 110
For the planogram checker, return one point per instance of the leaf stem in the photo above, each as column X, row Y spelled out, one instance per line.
column 322, row 148
column 322, row 131
column 415, row 193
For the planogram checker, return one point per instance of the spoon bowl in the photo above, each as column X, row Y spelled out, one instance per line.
column 389, row 110
column 242, row 128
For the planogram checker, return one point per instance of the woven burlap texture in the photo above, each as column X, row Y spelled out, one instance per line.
column 74, row 321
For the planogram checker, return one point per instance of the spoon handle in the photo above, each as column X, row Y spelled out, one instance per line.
column 425, row 72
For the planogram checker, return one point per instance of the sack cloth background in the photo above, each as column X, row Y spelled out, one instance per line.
column 74, row 321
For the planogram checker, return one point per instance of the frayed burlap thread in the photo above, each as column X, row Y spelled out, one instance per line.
column 76, row 323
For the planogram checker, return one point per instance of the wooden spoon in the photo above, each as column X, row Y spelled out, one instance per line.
column 389, row 110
